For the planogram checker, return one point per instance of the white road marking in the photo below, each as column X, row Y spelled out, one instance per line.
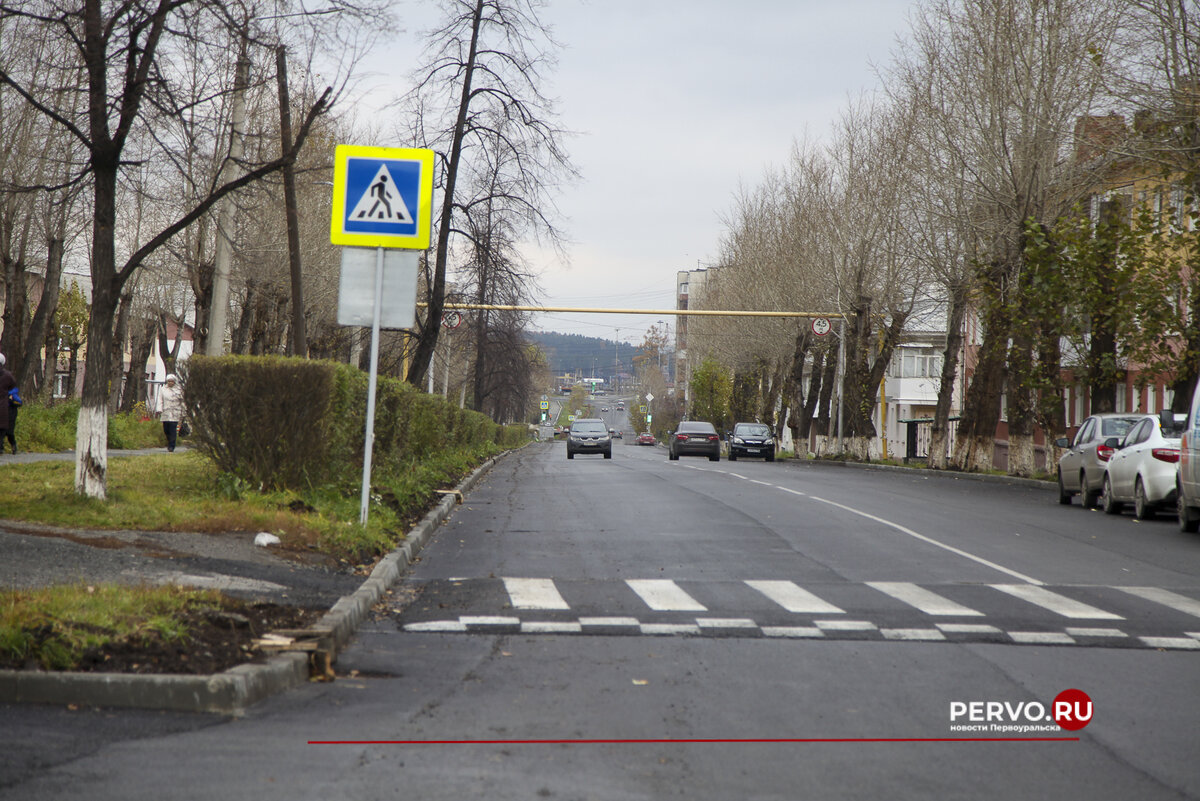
column 967, row 628
column 1041, row 638
column 1096, row 632
column 489, row 620
column 923, row 600
column 1180, row 603
column 726, row 623
column 534, row 593
column 1058, row 604
column 792, row 631
column 1172, row 642
column 931, row 541
column 845, row 625
column 609, row 621
column 916, row 535
column 794, row 598
column 664, row 629
column 550, row 627
column 664, row 595
column 912, row 634
column 455, row 626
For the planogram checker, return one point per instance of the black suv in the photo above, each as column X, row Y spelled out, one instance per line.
column 751, row 439
column 589, row 435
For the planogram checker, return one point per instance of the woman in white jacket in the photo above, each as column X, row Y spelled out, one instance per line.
column 170, row 409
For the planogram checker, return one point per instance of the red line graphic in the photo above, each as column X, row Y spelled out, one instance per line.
column 707, row 740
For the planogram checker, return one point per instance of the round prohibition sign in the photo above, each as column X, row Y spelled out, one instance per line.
column 452, row 319
column 821, row 326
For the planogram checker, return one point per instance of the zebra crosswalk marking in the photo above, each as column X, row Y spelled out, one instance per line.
column 1180, row 603
column 1041, row 638
column 664, row 595
column 1059, row 604
column 923, row 600
column 532, row 593
column 794, row 598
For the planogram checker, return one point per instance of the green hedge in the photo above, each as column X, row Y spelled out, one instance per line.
column 286, row 423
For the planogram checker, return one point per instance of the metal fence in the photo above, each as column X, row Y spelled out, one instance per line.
column 919, row 432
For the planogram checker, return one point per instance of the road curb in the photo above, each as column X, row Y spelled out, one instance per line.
column 232, row 691
column 924, row 472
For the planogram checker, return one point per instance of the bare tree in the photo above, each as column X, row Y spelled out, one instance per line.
column 480, row 103
column 126, row 52
column 1007, row 82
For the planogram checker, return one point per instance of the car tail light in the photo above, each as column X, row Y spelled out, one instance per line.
column 681, row 437
column 1165, row 454
column 1104, row 452
column 713, row 437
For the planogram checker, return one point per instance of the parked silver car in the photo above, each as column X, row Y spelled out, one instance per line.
column 1144, row 467
column 1081, row 469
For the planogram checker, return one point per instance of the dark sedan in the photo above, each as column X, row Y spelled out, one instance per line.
column 751, row 439
column 695, row 438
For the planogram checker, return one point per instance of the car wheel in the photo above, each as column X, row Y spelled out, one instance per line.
column 771, row 456
column 1188, row 522
column 732, row 456
column 716, row 457
column 1064, row 497
column 1088, row 497
column 570, row 454
column 1141, row 507
column 1110, row 505
column 608, row 454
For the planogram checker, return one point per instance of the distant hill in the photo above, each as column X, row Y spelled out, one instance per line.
column 580, row 355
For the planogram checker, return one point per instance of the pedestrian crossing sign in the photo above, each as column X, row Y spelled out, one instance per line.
column 382, row 197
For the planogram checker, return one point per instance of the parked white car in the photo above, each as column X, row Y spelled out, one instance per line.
column 1143, row 469
column 1081, row 468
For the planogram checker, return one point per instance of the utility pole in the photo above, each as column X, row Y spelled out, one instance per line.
column 218, row 314
column 299, row 333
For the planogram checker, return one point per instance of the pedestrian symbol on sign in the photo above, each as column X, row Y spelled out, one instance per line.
column 376, row 204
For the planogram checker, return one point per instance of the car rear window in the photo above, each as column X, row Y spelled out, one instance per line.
column 1117, row 426
column 589, row 428
column 697, row 428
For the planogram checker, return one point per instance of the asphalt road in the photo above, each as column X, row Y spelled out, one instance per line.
column 635, row 628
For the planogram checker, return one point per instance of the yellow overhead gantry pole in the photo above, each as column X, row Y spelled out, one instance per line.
column 659, row 312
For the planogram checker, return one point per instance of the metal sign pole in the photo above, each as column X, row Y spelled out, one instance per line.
column 369, row 438
column 841, row 380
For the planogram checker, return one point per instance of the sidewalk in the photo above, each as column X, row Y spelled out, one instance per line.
column 36, row 555
column 23, row 457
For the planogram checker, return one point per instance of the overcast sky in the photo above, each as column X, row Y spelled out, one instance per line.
column 677, row 103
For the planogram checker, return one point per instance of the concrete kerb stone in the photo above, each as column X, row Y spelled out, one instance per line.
column 232, row 691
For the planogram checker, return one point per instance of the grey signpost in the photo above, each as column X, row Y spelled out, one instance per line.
column 382, row 199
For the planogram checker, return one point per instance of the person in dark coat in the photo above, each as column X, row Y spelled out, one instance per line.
column 7, row 382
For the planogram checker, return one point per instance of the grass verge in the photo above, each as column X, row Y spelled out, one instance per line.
column 55, row 627
column 183, row 491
